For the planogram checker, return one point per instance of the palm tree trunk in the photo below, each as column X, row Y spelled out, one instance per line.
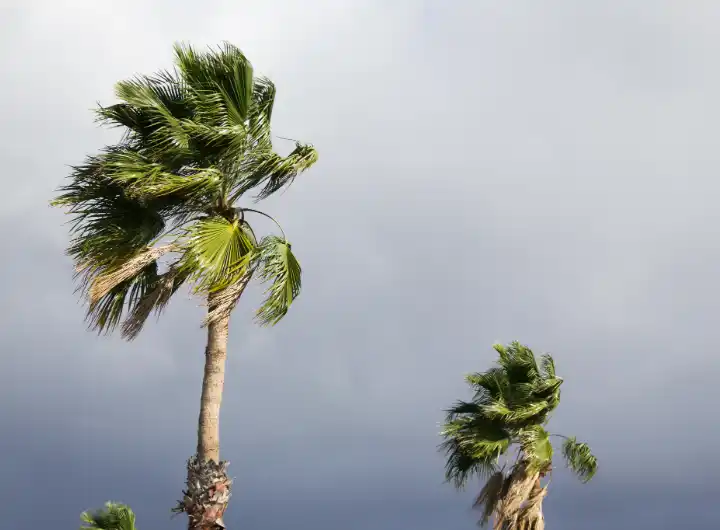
column 531, row 516
column 508, row 515
column 208, row 445
column 208, row 485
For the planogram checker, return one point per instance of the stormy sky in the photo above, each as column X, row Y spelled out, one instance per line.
column 489, row 171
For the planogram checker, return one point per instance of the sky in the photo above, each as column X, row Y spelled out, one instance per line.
column 489, row 171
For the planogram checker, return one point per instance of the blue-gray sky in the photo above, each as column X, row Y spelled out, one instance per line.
column 489, row 171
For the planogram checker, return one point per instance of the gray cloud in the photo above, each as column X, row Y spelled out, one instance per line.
column 489, row 171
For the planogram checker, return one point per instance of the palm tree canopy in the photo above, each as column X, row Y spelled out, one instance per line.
column 114, row 516
column 511, row 406
column 196, row 140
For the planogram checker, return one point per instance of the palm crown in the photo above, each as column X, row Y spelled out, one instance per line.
column 511, row 406
column 114, row 516
column 196, row 141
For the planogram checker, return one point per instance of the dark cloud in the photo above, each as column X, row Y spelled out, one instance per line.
column 488, row 172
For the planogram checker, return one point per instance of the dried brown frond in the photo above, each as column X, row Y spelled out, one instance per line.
column 531, row 516
column 490, row 496
column 221, row 303
column 103, row 283
column 155, row 299
column 520, row 485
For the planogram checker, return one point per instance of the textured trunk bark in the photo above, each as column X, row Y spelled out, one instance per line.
column 208, row 446
column 508, row 515
column 531, row 516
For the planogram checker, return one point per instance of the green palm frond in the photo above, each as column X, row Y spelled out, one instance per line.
column 278, row 266
column 261, row 109
column 107, row 226
column 580, row 459
column 536, row 446
column 518, row 363
column 217, row 252
column 489, row 386
column 460, row 465
column 140, row 177
column 163, row 107
column 227, row 72
column 272, row 171
column 114, row 516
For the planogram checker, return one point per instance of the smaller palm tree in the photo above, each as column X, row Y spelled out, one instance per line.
column 500, row 436
column 114, row 516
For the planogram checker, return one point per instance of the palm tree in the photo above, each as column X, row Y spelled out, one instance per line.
column 114, row 516
column 509, row 411
column 161, row 209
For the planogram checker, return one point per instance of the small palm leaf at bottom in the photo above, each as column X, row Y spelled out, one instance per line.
column 114, row 516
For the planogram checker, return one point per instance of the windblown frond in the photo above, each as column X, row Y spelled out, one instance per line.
column 272, row 171
column 227, row 71
column 278, row 266
column 155, row 299
column 580, row 459
column 105, row 313
column 263, row 100
column 536, row 447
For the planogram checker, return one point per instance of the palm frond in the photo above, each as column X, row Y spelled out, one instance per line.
column 107, row 225
column 263, row 100
column 272, row 171
column 114, row 516
column 490, row 496
column 472, row 445
column 461, row 466
column 225, row 70
column 547, row 366
column 579, row 459
column 278, row 266
column 518, row 362
column 105, row 313
column 537, row 448
column 491, row 385
column 155, row 299
column 218, row 252
column 106, row 280
column 140, row 177
column 163, row 106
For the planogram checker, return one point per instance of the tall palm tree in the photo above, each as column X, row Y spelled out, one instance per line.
column 163, row 208
column 114, row 516
column 500, row 436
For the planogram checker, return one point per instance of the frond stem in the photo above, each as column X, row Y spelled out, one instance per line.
column 268, row 216
column 288, row 139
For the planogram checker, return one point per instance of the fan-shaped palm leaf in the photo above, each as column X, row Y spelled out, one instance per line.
column 278, row 266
